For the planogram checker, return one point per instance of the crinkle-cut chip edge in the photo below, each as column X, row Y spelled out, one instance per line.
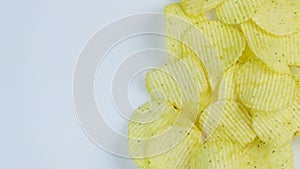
column 197, row 7
column 279, row 127
column 215, row 155
column 218, row 123
column 261, row 155
column 254, row 96
column 255, row 37
column 189, row 142
column 176, row 23
column 270, row 18
column 236, row 12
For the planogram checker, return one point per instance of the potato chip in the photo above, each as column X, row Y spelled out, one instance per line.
column 218, row 46
column 275, row 51
column 295, row 71
column 176, row 23
column 279, row 17
column 217, row 155
column 267, row 156
column 237, row 11
column 246, row 56
column 192, row 7
column 290, row 48
column 226, row 121
column 210, row 4
column 197, row 7
column 260, row 88
column 183, row 83
column 157, row 142
column 277, row 127
column 226, row 87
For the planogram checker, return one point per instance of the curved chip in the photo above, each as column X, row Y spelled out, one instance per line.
column 226, row 121
column 226, row 87
column 260, row 88
column 277, row 127
column 210, row 4
column 279, row 17
column 246, row 56
column 218, row 46
column 192, row 7
column 295, row 71
column 176, row 23
column 165, row 141
column 275, row 51
column 183, row 83
column 218, row 155
column 262, row 155
column 237, row 11
column 197, row 7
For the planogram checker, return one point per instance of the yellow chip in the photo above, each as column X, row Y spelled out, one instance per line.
column 176, row 23
column 197, row 7
column 279, row 17
column 296, row 75
column 226, row 87
column 246, row 56
column 183, row 83
column 218, row 155
column 275, row 51
column 295, row 71
column 261, row 155
column 192, row 7
column 226, row 121
column 218, row 46
column 165, row 141
column 260, row 88
column 277, row 127
column 210, row 4
column 237, row 11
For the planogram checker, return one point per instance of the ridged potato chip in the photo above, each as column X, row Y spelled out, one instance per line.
column 226, row 87
column 183, row 83
column 217, row 155
column 279, row 17
column 277, row 127
column 260, row 88
column 261, row 155
column 217, row 45
column 192, row 7
column 155, row 142
column 246, row 56
column 277, row 52
column 226, row 121
column 198, row 7
column 295, row 71
column 237, row 11
column 176, row 23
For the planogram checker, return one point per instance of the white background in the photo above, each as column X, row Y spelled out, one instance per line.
column 40, row 41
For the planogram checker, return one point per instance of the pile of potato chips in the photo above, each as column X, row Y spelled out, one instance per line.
column 229, row 96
